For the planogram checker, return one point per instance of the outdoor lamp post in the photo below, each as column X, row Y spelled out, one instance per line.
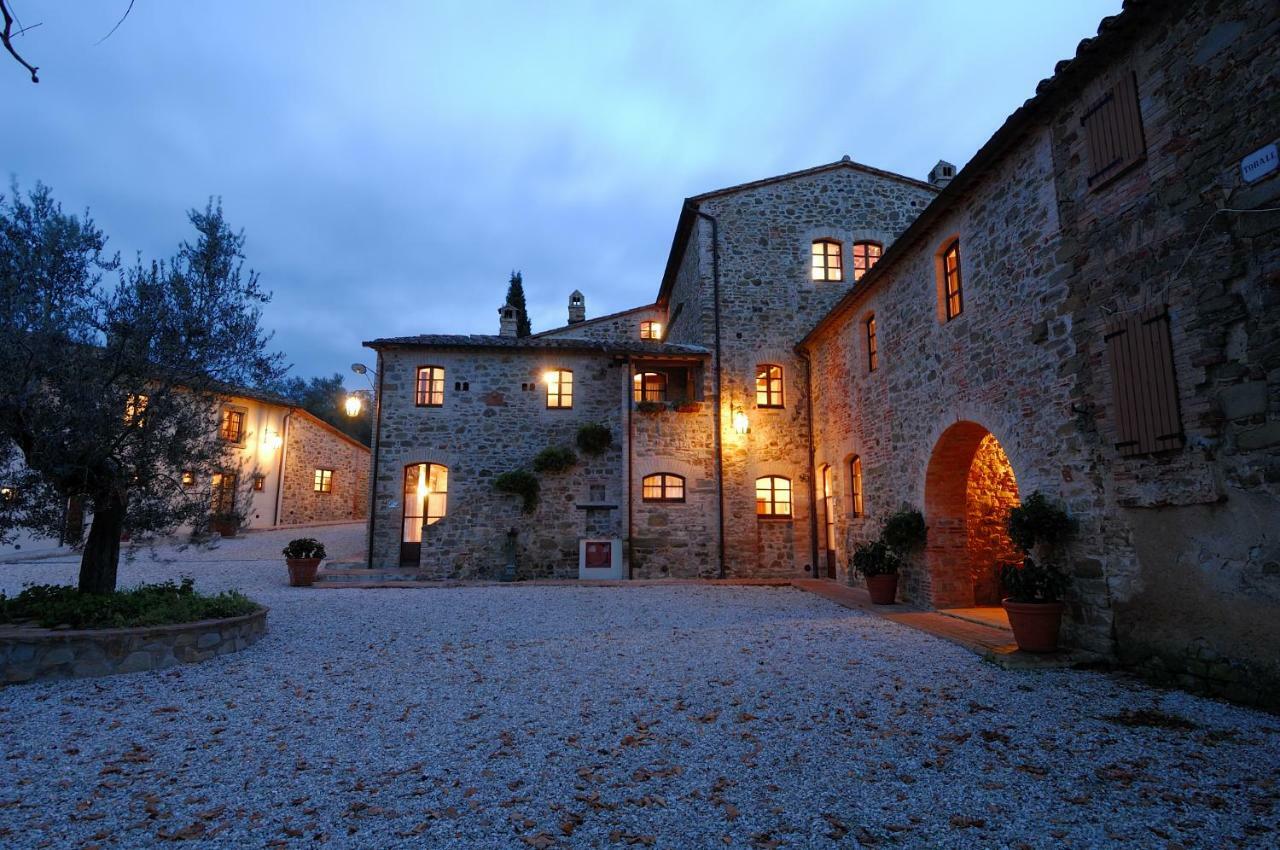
column 353, row 405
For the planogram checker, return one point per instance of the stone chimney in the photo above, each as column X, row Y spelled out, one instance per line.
column 506, row 320
column 940, row 175
column 577, row 307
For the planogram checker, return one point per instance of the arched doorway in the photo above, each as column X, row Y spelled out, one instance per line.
column 969, row 489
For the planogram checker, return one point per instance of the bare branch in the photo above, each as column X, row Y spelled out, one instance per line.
column 8, row 45
column 117, row 26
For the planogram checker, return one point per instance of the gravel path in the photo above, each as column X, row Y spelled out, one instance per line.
column 677, row 717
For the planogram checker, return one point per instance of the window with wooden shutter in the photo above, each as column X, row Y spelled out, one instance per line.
column 1144, row 393
column 1113, row 132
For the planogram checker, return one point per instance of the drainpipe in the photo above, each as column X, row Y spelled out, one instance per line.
column 373, row 475
column 813, row 474
column 626, row 401
column 715, row 377
column 284, row 449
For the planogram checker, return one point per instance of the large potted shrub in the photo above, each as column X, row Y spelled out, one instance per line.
column 878, row 564
column 1036, row 586
column 303, row 556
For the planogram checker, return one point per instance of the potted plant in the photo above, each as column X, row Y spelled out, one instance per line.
column 1035, row 587
column 878, row 563
column 303, row 556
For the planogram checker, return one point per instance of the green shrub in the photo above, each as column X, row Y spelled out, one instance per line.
column 1037, row 520
column 874, row 559
column 1033, row 582
column 305, row 547
column 905, row 531
column 521, row 483
column 554, row 459
column 159, row 604
column 594, row 438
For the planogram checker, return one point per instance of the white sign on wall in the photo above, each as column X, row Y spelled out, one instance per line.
column 1259, row 164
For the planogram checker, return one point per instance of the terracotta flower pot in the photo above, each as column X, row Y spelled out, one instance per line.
column 302, row 571
column 1035, row 624
column 225, row 527
column 883, row 588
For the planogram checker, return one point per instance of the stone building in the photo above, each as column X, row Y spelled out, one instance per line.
column 1088, row 309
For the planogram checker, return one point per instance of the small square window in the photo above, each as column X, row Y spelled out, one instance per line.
column 188, row 478
column 231, row 428
column 323, row 482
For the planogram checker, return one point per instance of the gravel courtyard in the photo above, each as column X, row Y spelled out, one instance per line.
column 675, row 717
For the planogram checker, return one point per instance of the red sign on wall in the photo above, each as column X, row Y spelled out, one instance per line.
column 599, row 555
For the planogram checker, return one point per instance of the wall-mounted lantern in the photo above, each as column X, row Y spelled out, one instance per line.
column 740, row 423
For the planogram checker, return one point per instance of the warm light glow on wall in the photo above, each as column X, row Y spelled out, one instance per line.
column 353, row 405
column 740, row 423
column 550, row 377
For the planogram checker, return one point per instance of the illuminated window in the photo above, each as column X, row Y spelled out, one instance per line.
column 135, row 410
column 259, row 482
column 663, row 487
column 426, row 488
column 873, row 345
column 865, row 255
column 952, row 301
column 768, row 385
column 826, row 260
column 232, row 427
column 855, row 485
column 649, row 386
column 188, row 478
column 323, row 481
column 223, row 502
column 559, row 388
column 651, row 330
column 773, row 496
column 429, row 391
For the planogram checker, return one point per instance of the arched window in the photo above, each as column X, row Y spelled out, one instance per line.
column 426, row 488
column 649, row 386
column 651, row 330
column 773, row 496
column 663, row 487
column 855, row 486
column 952, row 298
column 429, row 391
column 827, row 263
column 873, row 344
column 559, row 388
column 768, row 385
column 865, row 255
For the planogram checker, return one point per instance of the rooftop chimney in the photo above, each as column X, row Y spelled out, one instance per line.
column 577, row 307
column 506, row 320
column 940, row 175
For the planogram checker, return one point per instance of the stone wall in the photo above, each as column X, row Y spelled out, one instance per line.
column 941, row 387
column 30, row 655
column 617, row 326
column 1175, row 561
column 768, row 301
column 311, row 445
column 499, row 424
column 1194, row 543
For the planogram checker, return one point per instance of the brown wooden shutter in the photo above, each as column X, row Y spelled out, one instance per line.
column 1113, row 132
column 1144, row 392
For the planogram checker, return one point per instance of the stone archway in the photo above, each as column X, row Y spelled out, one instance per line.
column 969, row 488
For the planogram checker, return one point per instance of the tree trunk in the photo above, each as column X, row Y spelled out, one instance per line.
column 101, row 555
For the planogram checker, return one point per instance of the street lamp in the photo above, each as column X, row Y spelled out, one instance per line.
column 353, row 405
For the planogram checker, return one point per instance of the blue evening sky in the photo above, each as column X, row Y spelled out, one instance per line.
column 392, row 162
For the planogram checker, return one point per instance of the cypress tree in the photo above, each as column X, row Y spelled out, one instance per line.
column 515, row 297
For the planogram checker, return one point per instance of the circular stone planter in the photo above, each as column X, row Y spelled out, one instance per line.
column 35, row 654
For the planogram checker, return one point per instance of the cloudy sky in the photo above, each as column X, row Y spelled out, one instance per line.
column 391, row 163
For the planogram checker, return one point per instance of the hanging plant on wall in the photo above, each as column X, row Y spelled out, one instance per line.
column 594, row 438
column 554, row 459
column 651, row 406
column 521, row 483
column 904, row 531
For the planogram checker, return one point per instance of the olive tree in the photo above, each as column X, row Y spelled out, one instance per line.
column 110, row 389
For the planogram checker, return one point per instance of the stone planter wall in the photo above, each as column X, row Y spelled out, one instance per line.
column 29, row 655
